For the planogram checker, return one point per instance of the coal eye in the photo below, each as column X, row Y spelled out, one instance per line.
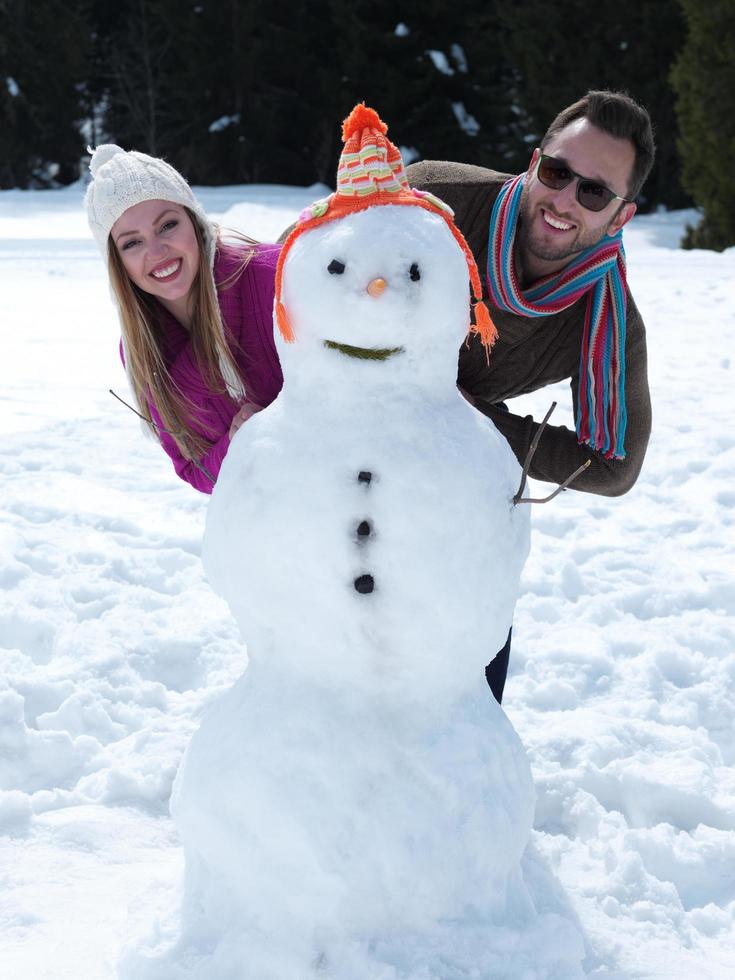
column 415, row 273
column 336, row 267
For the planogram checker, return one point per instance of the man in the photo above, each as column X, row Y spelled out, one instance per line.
column 562, row 219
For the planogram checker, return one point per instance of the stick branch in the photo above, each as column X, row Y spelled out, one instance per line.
column 199, row 466
column 562, row 486
column 519, row 498
column 531, row 451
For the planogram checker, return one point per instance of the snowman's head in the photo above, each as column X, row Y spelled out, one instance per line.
column 378, row 273
column 386, row 284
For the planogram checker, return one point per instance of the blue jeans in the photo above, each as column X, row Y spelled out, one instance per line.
column 497, row 670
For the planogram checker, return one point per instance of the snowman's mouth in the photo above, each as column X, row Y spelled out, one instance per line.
column 364, row 353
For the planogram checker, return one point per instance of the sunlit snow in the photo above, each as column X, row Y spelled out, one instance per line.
column 622, row 683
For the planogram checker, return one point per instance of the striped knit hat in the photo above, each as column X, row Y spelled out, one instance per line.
column 371, row 172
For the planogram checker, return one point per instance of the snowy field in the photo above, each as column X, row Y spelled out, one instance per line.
column 622, row 682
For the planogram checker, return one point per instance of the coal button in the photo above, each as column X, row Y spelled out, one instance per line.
column 363, row 529
column 364, row 584
column 364, row 476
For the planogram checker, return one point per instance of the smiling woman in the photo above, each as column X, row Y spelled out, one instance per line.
column 159, row 250
column 195, row 311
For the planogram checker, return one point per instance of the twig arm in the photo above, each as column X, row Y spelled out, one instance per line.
column 562, row 486
column 199, row 466
column 530, row 454
column 519, row 498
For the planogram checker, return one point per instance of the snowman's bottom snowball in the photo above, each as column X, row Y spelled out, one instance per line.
column 335, row 844
column 528, row 947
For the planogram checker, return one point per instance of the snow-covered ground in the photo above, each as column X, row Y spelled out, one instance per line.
column 622, row 682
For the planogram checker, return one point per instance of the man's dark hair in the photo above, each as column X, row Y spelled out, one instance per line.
column 618, row 115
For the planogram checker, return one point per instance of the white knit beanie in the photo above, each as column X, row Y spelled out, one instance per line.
column 123, row 178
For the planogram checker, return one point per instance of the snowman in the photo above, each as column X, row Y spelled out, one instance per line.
column 357, row 805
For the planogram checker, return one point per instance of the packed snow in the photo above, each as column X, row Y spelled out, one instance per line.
column 622, row 682
column 357, row 791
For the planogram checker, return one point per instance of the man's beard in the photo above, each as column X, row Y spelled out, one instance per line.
column 527, row 244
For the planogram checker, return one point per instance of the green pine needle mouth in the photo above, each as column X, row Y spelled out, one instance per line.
column 364, row 353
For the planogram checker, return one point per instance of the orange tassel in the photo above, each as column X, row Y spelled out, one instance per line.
column 484, row 326
column 284, row 324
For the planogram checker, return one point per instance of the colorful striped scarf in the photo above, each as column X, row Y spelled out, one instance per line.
column 598, row 271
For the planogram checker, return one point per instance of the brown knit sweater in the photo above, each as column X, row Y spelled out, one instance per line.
column 532, row 352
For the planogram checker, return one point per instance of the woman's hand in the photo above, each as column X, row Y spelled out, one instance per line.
column 246, row 411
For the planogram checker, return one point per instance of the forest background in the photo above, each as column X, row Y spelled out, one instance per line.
column 234, row 91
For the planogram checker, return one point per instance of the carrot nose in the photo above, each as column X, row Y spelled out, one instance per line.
column 376, row 286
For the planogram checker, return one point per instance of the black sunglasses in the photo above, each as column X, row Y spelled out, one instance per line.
column 592, row 195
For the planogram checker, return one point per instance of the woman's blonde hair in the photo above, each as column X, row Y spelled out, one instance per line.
column 145, row 362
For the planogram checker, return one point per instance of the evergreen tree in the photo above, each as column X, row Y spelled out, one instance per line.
column 563, row 50
column 133, row 57
column 44, row 61
column 253, row 90
column 227, row 91
column 704, row 80
column 294, row 90
column 428, row 74
column 436, row 75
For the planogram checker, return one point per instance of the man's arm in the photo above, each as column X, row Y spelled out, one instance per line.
column 559, row 454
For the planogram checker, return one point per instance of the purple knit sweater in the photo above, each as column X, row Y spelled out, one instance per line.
column 247, row 311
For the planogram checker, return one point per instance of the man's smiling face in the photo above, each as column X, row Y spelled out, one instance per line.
column 554, row 226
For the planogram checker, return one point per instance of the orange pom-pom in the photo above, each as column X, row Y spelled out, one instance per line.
column 361, row 118
column 284, row 324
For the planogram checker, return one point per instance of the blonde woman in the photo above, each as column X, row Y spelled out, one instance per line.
column 196, row 313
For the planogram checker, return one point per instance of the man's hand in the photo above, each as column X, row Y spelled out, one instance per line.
column 246, row 411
